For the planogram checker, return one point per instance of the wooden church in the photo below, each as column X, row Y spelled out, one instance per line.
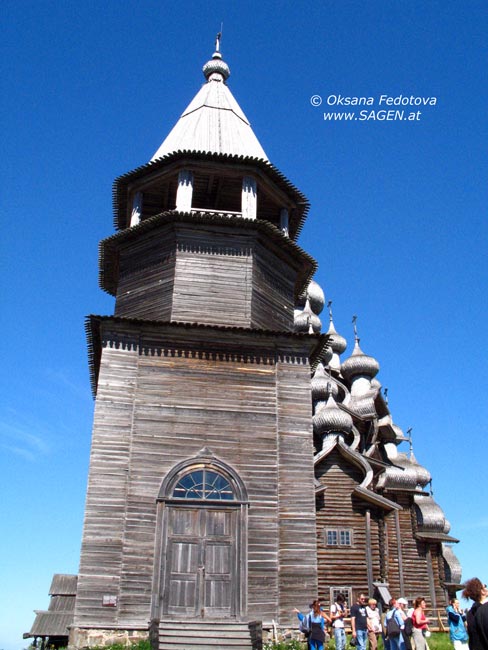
column 238, row 466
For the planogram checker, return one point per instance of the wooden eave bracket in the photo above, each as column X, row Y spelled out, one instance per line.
column 223, row 338
column 108, row 247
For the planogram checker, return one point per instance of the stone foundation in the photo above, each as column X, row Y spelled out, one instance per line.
column 89, row 638
column 282, row 634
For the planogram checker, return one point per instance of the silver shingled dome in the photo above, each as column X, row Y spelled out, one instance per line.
column 216, row 64
column 306, row 319
column 337, row 342
column 423, row 474
column 359, row 364
column 315, row 295
column 330, row 418
column 430, row 516
column 323, row 385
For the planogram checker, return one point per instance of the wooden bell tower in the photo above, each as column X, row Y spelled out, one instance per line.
column 200, row 503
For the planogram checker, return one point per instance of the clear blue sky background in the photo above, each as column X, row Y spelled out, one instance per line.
column 398, row 223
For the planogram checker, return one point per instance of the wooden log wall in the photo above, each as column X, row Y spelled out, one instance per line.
column 273, row 284
column 213, row 283
column 216, row 276
column 146, row 277
column 338, row 509
column 156, row 407
column 297, row 538
column 414, row 557
column 105, row 510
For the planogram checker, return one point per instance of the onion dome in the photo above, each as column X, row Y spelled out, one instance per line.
column 430, row 516
column 306, row 319
column 323, row 385
column 402, row 476
column 359, row 364
column 452, row 567
column 330, row 418
column 364, row 404
column 315, row 295
column 337, row 342
column 423, row 474
column 216, row 66
column 385, row 420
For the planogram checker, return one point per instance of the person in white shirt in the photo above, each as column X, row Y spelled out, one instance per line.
column 337, row 613
column 374, row 623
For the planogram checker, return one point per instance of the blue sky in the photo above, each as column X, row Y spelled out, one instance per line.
column 398, row 223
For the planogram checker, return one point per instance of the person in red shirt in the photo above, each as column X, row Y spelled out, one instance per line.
column 420, row 624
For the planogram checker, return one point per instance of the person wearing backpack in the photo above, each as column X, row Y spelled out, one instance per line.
column 315, row 622
column 394, row 627
column 407, row 623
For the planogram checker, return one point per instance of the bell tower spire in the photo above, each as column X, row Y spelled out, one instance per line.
column 213, row 122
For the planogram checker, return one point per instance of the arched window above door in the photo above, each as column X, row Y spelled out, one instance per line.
column 203, row 478
column 204, row 484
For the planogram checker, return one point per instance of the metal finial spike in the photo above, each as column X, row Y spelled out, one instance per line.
column 410, row 442
column 217, row 39
column 329, row 307
column 354, row 321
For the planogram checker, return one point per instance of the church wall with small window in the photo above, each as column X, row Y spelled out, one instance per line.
column 341, row 530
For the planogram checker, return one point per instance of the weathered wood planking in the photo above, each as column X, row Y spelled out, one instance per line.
column 220, row 275
column 156, row 407
column 414, row 556
column 297, row 541
column 338, row 509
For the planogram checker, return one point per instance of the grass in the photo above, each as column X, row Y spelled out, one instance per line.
column 437, row 641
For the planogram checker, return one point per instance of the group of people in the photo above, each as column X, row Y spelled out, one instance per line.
column 402, row 628
column 399, row 628
column 366, row 624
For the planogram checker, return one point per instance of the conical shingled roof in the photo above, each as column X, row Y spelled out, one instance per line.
column 213, row 122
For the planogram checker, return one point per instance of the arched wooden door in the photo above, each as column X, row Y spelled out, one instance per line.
column 203, row 559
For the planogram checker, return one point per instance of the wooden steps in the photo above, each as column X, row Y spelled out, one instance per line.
column 207, row 635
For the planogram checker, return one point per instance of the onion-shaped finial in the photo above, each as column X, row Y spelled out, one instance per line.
column 216, row 65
